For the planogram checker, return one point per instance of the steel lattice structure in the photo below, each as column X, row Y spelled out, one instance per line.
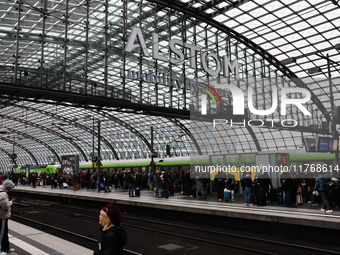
column 64, row 67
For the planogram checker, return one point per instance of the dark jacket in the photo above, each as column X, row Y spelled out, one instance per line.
column 166, row 182
column 265, row 181
column 111, row 242
column 230, row 182
column 286, row 181
column 131, row 178
column 220, row 179
column 320, row 180
column 248, row 182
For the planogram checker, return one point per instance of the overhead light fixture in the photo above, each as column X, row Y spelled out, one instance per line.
column 288, row 61
column 316, row 69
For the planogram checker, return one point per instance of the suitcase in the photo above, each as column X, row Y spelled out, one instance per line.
column 55, row 184
column 65, row 185
column 252, row 198
column 137, row 192
column 273, row 194
column 227, row 196
column 185, row 189
column 166, row 193
column 162, row 192
column 172, row 190
column 261, row 198
column 279, row 198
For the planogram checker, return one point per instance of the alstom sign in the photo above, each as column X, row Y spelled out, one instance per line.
column 178, row 47
column 137, row 41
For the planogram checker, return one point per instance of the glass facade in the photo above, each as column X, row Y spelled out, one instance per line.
column 141, row 53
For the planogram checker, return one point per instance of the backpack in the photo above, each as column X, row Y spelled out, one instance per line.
column 332, row 184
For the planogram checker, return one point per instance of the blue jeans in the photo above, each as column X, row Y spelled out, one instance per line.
column 131, row 189
column 287, row 197
column 247, row 192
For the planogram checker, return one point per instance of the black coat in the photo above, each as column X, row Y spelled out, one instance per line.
column 166, row 182
column 265, row 181
column 286, row 181
column 111, row 242
column 220, row 179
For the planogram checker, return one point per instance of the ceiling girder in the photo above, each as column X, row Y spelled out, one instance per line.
column 36, row 140
column 47, row 130
column 20, row 146
column 66, row 120
column 250, row 44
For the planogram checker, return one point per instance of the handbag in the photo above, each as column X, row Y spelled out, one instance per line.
column 299, row 189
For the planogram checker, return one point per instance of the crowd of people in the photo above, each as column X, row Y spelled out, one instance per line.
column 295, row 188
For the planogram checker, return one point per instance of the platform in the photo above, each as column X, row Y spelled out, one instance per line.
column 26, row 240
column 304, row 215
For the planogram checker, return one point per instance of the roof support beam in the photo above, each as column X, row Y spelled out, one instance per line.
column 66, row 120
column 20, row 146
column 36, row 140
column 188, row 133
column 192, row 12
column 47, row 130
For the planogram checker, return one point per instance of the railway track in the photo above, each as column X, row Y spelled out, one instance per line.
column 193, row 229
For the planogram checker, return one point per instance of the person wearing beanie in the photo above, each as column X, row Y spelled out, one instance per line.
column 5, row 213
column 113, row 236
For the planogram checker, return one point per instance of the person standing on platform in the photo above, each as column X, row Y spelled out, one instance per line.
column 75, row 181
column 60, row 180
column 248, row 182
column 166, row 184
column 34, row 179
column 320, row 180
column 88, row 179
column 132, row 183
column 83, row 179
column 220, row 179
column 5, row 213
column 265, row 182
column 43, row 178
column 286, row 184
column 204, row 179
column 94, row 179
column 100, row 180
column 150, row 181
column 113, row 237
column 230, row 185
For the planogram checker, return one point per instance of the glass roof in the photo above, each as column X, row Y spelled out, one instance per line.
column 42, row 42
